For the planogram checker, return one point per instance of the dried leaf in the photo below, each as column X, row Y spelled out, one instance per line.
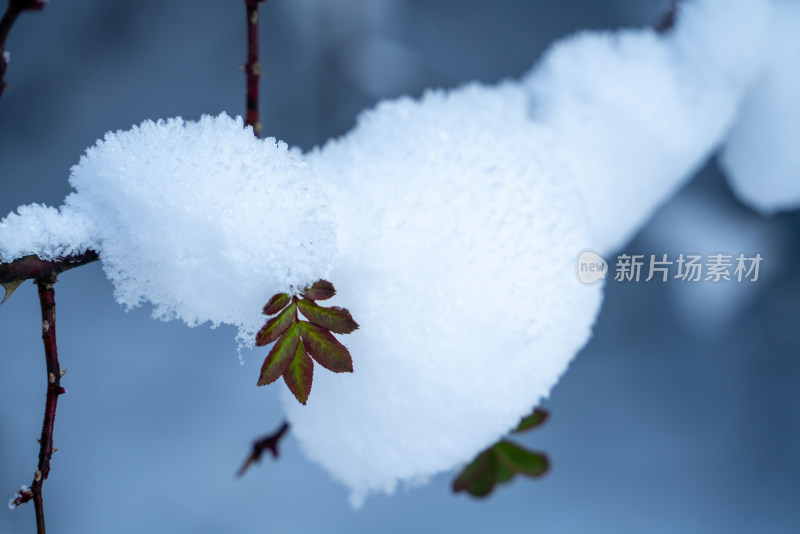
column 300, row 374
column 276, row 326
column 276, row 304
column 521, row 460
column 325, row 349
column 337, row 320
column 319, row 290
column 280, row 356
column 535, row 419
column 10, row 287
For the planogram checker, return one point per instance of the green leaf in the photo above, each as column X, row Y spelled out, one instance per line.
column 276, row 326
column 319, row 290
column 276, row 304
column 535, row 419
column 484, row 484
column 521, row 460
column 280, row 356
column 325, row 349
column 337, row 320
column 472, row 472
column 300, row 374
column 504, row 474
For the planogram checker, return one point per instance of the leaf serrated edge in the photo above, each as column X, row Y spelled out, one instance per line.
column 280, row 357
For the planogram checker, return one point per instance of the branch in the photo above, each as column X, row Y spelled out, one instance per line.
column 252, row 67
column 13, row 273
column 15, row 7
column 54, row 390
column 668, row 19
column 269, row 442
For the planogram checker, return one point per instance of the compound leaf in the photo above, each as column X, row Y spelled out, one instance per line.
column 280, row 356
column 300, row 374
column 337, row 320
column 276, row 326
column 325, row 349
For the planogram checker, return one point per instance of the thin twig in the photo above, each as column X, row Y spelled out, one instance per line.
column 267, row 443
column 15, row 7
column 252, row 68
column 54, row 390
column 668, row 19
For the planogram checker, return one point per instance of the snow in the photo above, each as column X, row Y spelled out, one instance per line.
column 201, row 219
column 461, row 220
column 761, row 156
column 45, row 231
column 450, row 226
column 457, row 257
column 637, row 113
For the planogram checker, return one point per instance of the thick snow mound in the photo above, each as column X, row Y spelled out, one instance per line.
column 44, row 231
column 636, row 113
column 762, row 158
column 202, row 219
column 459, row 236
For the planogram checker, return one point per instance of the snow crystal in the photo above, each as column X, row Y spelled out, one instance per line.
column 637, row 113
column 44, row 231
column 458, row 242
column 762, row 157
column 202, row 219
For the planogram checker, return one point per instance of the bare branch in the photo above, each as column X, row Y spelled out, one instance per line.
column 267, row 443
column 15, row 7
column 252, row 68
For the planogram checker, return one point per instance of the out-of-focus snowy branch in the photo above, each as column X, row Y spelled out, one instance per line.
column 252, row 67
column 15, row 7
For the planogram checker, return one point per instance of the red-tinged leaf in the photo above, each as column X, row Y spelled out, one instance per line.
column 276, row 326
column 484, row 484
column 472, row 472
column 521, row 460
column 337, row 320
column 280, row 356
column 319, row 290
column 276, row 304
column 300, row 374
column 325, row 349
column 535, row 419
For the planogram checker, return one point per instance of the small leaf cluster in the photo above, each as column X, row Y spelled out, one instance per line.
column 297, row 342
column 500, row 462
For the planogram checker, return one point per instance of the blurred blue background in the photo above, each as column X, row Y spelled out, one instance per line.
column 681, row 415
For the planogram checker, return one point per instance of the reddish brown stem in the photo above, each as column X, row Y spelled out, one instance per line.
column 54, row 390
column 267, row 443
column 15, row 7
column 252, row 68
column 33, row 268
